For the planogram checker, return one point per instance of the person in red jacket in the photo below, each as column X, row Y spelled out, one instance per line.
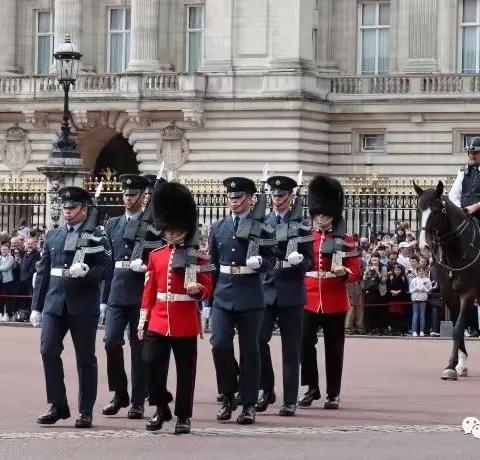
column 177, row 279
column 335, row 264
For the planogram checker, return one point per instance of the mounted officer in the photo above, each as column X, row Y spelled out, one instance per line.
column 75, row 260
column 238, row 298
column 123, row 294
column 285, row 292
column 465, row 191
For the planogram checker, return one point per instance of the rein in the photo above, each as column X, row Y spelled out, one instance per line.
column 439, row 239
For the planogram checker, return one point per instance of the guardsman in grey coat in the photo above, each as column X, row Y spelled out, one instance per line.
column 238, row 301
column 66, row 297
column 122, row 297
column 285, row 293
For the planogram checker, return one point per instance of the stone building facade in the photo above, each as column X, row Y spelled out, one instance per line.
column 220, row 86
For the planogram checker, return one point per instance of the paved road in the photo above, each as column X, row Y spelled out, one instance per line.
column 394, row 405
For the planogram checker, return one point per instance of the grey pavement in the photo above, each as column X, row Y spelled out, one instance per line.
column 394, row 406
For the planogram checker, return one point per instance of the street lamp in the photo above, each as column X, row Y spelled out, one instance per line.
column 67, row 59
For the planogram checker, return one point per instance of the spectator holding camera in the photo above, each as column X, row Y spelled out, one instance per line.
column 420, row 286
column 374, row 285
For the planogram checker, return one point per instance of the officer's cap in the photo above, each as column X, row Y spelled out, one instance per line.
column 281, row 185
column 151, row 178
column 133, row 184
column 238, row 186
column 73, row 196
column 474, row 145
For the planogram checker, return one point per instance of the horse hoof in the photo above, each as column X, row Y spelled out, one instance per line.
column 449, row 374
column 462, row 371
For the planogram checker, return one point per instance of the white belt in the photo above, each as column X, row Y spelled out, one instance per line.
column 282, row 264
column 122, row 264
column 170, row 297
column 229, row 270
column 321, row 275
column 61, row 272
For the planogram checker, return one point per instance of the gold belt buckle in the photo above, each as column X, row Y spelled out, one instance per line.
column 235, row 270
column 66, row 273
column 126, row 264
column 170, row 296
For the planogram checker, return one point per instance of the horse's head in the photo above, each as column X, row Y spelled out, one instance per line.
column 431, row 205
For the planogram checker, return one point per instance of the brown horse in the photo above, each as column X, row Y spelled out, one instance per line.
column 453, row 237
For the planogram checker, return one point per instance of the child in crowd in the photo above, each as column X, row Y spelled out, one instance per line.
column 420, row 286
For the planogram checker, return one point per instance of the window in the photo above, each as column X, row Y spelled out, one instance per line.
column 470, row 36
column 44, row 42
column 374, row 20
column 195, row 26
column 373, row 142
column 467, row 139
column 119, row 25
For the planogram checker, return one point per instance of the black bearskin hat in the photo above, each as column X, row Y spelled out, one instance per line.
column 325, row 196
column 174, row 207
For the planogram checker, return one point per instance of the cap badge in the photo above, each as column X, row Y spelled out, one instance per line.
column 67, row 194
column 129, row 181
column 233, row 184
column 277, row 182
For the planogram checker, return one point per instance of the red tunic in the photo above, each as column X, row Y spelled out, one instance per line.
column 330, row 295
column 172, row 318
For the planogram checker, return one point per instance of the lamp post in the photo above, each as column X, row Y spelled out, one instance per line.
column 67, row 60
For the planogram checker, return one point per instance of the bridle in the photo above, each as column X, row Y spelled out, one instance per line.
column 438, row 239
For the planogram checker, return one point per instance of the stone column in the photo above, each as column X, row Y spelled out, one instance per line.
column 68, row 20
column 422, row 36
column 7, row 36
column 144, row 36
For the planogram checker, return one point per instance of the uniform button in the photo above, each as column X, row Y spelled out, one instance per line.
column 233, row 249
column 126, row 257
column 126, row 245
column 233, row 263
column 233, row 237
column 65, row 265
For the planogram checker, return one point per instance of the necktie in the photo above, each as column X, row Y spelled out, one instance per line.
column 279, row 219
column 70, row 229
column 236, row 220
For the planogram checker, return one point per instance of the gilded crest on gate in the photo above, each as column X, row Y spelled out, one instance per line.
column 15, row 151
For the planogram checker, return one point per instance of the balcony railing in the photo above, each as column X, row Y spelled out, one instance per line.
column 101, row 85
column 407, row 84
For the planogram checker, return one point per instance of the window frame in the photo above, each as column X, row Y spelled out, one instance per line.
column 188, row 30
column 377, row 27
column 44, row 34
column 462, row 26
column 123, row 32
column 363, row 135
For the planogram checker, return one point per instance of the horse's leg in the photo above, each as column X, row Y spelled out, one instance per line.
column 458, row 337
column 461, row 367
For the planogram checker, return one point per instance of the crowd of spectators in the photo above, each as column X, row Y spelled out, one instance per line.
column 19, row 252
column 399, row 292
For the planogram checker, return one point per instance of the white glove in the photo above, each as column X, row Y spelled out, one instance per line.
column 137, row 265
column 254, row 262
column 295, row 258
column 79, row 270
column 35, row 318
column 141, row 323
column 103, row 309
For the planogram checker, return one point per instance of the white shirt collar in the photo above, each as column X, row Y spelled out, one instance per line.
column 242, row 215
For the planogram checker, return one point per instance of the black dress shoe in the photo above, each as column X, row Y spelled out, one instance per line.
column 84, row 421
column 268, row 397
column 182, row 426
column 247, row 417
column 332, row 403
column 288, row 410
column 117, row 403
column 220, row 398
column 136, row 412
column 162, row 415
column 228, row 406
column 311, row 395
column 55, row 414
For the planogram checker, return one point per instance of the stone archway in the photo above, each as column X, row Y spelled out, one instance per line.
column 117, row 155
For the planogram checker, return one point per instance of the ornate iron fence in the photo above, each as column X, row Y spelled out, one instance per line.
column 22, row 199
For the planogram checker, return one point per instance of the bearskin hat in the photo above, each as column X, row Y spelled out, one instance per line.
column 174, row 207
column 325, row 196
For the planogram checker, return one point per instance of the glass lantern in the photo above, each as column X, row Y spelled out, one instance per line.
column 67, row 59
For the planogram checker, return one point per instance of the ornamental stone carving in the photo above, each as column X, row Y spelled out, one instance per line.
column 174, row 149
column 15, row 151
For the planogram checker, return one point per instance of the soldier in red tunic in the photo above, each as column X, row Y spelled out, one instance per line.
column 335, row 265
column 176, row 280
